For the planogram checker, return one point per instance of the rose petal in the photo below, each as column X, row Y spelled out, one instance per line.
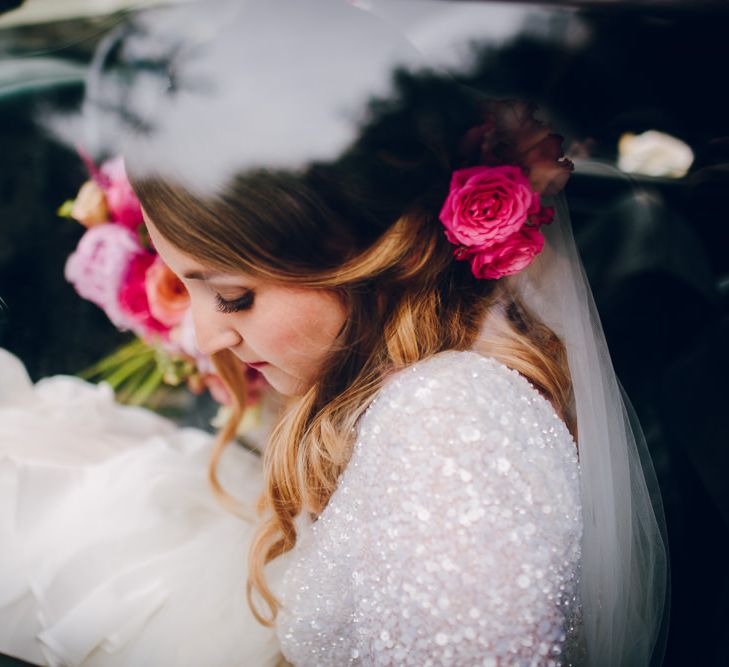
column 509, row 257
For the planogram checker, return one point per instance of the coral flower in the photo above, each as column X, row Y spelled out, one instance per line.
column 167, row 296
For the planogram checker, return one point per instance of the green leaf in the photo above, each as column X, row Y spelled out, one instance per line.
column 64, row 210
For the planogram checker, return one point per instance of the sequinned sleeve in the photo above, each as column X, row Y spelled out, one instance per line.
column 468, row 551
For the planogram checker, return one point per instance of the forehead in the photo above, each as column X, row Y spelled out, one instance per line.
column 181, row 263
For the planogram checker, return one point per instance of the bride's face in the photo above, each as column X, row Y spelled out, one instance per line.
column 284, row 332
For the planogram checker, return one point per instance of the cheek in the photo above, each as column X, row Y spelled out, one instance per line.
column 326, row 323
column 311, row 327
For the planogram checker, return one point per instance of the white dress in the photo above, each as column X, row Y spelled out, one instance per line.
column 113, row 550
column 452, row 539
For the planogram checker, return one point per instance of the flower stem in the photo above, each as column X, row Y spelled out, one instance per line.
column 115, row 359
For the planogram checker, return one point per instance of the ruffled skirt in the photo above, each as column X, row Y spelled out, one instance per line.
column 113, row 549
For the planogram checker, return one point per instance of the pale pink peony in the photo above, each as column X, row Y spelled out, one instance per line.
column 507, row 257
column 487, row 204
column 123, row 204
column 99, row 265
column 167, row 296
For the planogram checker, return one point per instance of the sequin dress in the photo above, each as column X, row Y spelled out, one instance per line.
column 453, row 537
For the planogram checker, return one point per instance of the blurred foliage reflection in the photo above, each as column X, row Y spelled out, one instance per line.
column 655, row 248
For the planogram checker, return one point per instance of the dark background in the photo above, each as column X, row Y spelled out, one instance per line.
column 656, row 249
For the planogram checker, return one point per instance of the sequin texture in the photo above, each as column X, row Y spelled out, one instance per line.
column 453, row 537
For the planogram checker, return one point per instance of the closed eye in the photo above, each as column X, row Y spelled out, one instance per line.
column 244, row 302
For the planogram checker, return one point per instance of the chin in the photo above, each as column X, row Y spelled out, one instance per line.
column 283, row 383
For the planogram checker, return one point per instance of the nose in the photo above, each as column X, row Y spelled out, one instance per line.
column 214, row 331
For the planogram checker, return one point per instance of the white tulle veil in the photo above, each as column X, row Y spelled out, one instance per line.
column 297, row 117
column 623, row 581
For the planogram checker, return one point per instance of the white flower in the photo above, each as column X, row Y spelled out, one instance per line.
column 654, row 153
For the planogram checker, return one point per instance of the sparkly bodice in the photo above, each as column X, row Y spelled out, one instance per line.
column 453, row 537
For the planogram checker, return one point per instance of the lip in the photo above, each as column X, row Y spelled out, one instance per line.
column 257, row 365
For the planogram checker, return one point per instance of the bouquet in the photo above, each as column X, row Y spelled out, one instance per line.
column 116, row 267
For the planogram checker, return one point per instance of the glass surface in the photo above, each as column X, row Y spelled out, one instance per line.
column 635, row 88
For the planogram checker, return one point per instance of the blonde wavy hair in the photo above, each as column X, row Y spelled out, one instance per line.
column 364, row 227
column 407, row 300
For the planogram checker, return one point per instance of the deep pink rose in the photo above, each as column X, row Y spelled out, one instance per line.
column 98, row 266
column 544, row 217
column 134, row 302
column 121, row 201
column 508, row 257
column 486, row 205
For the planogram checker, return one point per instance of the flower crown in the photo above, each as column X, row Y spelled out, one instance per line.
column 493, row 212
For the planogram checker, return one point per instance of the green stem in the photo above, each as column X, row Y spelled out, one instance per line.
column 123, row 372
column 125, row 391
column 150, row 385
column 116, row 358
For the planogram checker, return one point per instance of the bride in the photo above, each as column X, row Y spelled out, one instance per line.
column 455, row 478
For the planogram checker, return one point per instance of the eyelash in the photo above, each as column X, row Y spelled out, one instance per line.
column 244, row 302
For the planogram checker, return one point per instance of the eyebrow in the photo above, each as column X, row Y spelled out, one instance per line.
column 200, row 275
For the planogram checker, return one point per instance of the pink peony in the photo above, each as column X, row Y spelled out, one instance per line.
column 167, row 296
column 121, row 201
column 99, row 265
column 486, row 205
column 507, row 257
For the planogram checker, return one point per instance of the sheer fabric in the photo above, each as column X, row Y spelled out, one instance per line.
column 239, row 120
column 624, row 576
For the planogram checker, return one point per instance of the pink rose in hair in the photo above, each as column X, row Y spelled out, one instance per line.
column 486, row 205
column 507, row 257
column 544, row 216
column 98, row 266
